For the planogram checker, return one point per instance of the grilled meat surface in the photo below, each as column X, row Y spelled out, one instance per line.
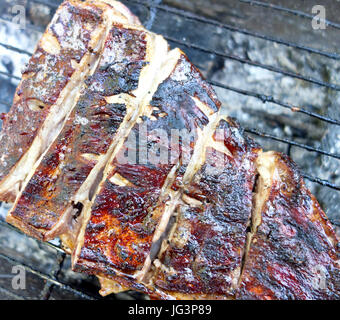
column 49, row 86
column 134, row 198
column 293, row 251
column 203, row 255
column 115, row 144
column 43, row 206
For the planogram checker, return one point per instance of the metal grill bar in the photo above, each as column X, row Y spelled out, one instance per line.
column 48, row 244
column 46, row 292
column 233, row 57
column 5, row 103
column 195, row 17
column 263, row 134
column 257, row 64
column 292, row 143
column 324, row 183
column 287, row 10
column 239, row 59
column 52, row 280
column 263, row 98
column 48, row 278
column 266, row 98
column 28, row 26
column 9, row 47
column 9, row 75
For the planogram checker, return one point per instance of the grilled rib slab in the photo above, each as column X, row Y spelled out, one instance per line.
column 49, row 86
column 203, row 255
column 95, row 126
column 147, row 185
column 293, row 252
column 122, row 227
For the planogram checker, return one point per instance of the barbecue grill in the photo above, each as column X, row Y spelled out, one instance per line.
column 282, row 86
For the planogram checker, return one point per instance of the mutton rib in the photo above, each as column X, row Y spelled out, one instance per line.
column 293, row 252
column 104, row 113
column 65, row 55
column 125, row 156
column 135, row 200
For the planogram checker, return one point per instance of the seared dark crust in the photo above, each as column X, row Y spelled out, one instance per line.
column 89, row 130
column 73, row 41
column 124, row 280
column 186, row 81
column 123, row 220
column 122, row 59
column 204, row 254
column 294, row 253
column 44, row 78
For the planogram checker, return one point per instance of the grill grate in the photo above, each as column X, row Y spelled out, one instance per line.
column 283, row 9
column 52, row 278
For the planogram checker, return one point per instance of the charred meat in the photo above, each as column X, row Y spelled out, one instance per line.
column 116, row 144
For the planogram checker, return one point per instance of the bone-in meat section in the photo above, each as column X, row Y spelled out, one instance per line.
column 116, row 144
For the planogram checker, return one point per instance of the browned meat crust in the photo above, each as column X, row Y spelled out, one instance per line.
column 87, row 135
column 124, row 218
column 294, row 253
column 203, row 255
column 216, row 218
column 51, row 82
column 48, row 77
